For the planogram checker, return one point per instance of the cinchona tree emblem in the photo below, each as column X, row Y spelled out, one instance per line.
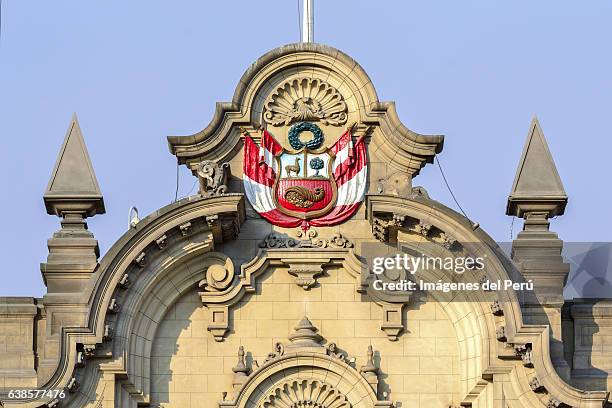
column 309, row 185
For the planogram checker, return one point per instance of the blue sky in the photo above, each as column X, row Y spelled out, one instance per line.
column 137, row 71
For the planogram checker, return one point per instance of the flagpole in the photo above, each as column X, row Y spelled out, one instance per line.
column 308, row 21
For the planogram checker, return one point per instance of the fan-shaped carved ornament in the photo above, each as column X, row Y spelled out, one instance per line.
column 305, row 394
column 305, row 99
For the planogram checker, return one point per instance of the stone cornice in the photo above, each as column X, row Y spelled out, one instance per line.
column 509, row 328
column 125, row 258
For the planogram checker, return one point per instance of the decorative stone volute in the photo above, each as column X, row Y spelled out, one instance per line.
column 212, row 178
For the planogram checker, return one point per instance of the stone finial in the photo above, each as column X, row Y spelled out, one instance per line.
column 305, row 334
column 73, row 187
column 369, row 366
column 241, row 371
column 369, row 371
column 73, row 194
column 240, row 368
column 537, row 193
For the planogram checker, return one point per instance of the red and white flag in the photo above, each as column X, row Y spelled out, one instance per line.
column 261, row 171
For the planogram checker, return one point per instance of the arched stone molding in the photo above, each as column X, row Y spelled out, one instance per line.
column 306, row 366
column 170, row 238
column 497, row 353
column 173, row 275
column 400, row 147
column 301, row 364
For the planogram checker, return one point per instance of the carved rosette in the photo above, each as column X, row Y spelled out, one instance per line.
column 305, row 100
column 305, row 394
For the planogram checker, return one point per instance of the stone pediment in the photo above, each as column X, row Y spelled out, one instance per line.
column 306, row 82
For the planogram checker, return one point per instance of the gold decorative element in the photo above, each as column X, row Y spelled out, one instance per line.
column 305, row 394
column 305, row 99
column 302, row 197
column 293, row 168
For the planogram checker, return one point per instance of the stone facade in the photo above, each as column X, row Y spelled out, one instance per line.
column 205, row 304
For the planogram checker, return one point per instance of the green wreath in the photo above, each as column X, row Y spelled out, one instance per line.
column 294, row 136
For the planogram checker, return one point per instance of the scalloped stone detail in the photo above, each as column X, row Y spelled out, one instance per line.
column 305, row 100
column 305, row 394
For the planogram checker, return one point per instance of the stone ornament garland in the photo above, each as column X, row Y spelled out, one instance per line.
column 294, row 136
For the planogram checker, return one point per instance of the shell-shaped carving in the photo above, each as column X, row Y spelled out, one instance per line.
column 305, row 99
column 305, row 394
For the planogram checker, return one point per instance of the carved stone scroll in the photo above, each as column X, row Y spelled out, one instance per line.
column 212, row 178
column 219, row 275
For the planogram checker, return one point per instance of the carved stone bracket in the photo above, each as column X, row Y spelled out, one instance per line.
column 496, row 308
column 422, row 228
column 392, row 320
column 500, row 333
column 383, row 225
column 386, row 220
column 224, row 227
column 448, row 241
column 306, row 271
column 212, row 178
column 219, row 321
column 526, row 354
column 535, row 385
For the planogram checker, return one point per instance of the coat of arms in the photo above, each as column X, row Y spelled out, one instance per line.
column 309, row 184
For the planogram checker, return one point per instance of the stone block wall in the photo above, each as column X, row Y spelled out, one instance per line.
column 189, row 368
column 17, row 335
column 592, row 354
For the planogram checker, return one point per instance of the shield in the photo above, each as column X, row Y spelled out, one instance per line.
column 305, row 187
